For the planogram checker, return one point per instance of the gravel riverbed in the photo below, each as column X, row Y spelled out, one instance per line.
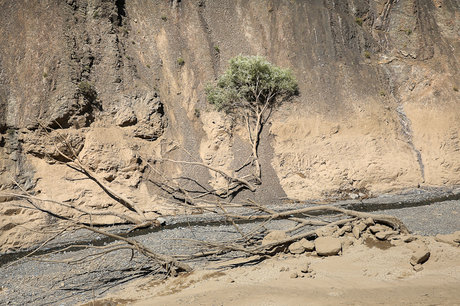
column 30, row 282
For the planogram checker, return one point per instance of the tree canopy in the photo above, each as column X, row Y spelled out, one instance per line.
column 251, row 83
column 248, row 88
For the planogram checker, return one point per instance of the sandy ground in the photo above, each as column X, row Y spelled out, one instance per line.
column 363, row 275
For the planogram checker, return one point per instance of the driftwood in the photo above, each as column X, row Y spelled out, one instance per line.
column 169, row 263
column 250, row 244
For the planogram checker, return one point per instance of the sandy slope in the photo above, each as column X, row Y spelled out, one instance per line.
column 363, row 275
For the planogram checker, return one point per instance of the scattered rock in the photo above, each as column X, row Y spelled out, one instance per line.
column 385, row 235
column 327, row 246
column 369, row 221
column 294, row 275
column 396, row 242
column 358, row 229
column 326, row 231
column 356, row 232
column 452, row 239
column 376, row 228
column 274, row 236
column 419, row 256
column 161, row 220
column 296, row 248
column 344, row 229
column 309, row 246
column 306, row 269
column 418, row 268
column 346, row 242
column 408, row 238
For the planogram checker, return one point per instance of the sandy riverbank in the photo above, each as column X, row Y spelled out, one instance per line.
column 363, row 275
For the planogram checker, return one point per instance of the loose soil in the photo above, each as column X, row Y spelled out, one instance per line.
column 364, row 275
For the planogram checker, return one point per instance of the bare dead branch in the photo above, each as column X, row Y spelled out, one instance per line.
column 221, row 172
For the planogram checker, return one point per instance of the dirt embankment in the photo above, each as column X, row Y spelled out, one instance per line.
column 378, row 109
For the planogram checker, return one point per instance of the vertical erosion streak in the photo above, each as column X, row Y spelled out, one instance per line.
column 407, row 132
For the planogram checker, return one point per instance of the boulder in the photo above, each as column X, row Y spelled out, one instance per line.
column 296, row 248
column 309, row 246
column 327, row 246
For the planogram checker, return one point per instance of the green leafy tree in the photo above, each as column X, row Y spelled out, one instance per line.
column 250, row 89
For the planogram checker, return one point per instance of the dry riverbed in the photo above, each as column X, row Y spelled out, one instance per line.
column 363, row 275
column 365, row 272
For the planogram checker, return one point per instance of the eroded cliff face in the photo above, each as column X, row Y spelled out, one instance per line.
column 123, row 82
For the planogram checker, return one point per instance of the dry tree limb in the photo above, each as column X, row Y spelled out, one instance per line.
column 124, row 217
column 233, row 222
column 39, row 247
column 165, row 260
column 168, row 262
column 75, row 163
column 221, row 172
column 302, row 223
column 109, row 191
column 393, row 222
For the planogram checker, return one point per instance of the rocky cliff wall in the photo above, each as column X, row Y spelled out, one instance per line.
column 123, row 82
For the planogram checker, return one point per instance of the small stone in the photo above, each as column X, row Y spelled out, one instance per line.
column 375, row 229
column 309, row 246
column 283, row 269
column 452, row 239
column 346, row 242
column 327, row 246
column 369, row 221
column 385, row 235
column 409, row 238
column 418, row 268
column 161, row 220
column 344, row 229
column 306, row 269
column 356, row 232
column 326, row 231
column 420, row 256
column 274, row 236
column 396, row 242
column 296, row 248
column 294, row 275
